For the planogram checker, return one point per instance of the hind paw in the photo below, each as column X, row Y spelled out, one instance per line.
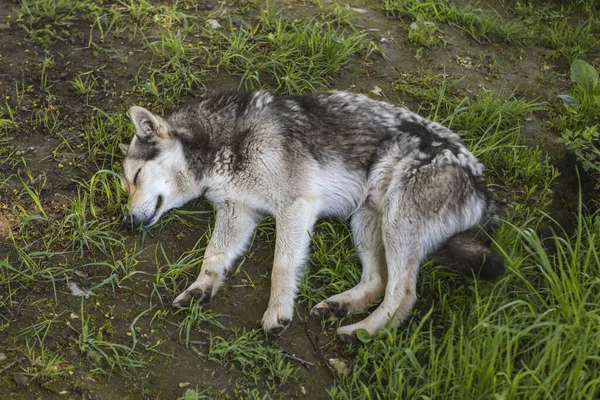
column 330, row 309
column 348, row 333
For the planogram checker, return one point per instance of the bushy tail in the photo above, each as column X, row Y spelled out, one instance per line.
column 469, row 253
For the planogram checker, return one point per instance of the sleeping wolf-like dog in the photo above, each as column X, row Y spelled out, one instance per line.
column 409, row 186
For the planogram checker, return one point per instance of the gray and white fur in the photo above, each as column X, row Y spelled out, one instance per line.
column 409, row 186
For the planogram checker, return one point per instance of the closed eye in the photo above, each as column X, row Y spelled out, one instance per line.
column 136, row 176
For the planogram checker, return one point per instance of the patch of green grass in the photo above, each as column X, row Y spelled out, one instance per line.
column 291, row 56
column 102, row 136
column 480, row 25
column 570, row 41
column 82, row 231
column 262, row 364
column 424, row 34
column 108, row 357
column 195, row 320
column 195, row 394
column 176, row 71
column 48, row 20
column 579, row 116
column 333, row 263
column 546, row 24
column 85, row 84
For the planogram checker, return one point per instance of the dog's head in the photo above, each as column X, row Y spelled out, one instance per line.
column 155, row 173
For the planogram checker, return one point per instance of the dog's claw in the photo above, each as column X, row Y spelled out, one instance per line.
column 277, row 330
column 201, row 296
column 330, row 309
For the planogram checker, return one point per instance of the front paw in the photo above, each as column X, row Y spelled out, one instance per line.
column 275, row 323
column 201, row 293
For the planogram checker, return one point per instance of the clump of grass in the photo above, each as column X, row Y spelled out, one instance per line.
column 108, row 357
column 195, row 320
column 298, row 56
column 195, row 394
column 102, row 135
column 260, row 363
column 570, row 41
column 333, row 263
column 84, row 84
column 477, row 24
column 177, row 69
column 48, row 20
column 579, row 115
column 81, row 229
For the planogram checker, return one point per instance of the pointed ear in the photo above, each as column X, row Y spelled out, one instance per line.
column 149, row 127
column 124, row 148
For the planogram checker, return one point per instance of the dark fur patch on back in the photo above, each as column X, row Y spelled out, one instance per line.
column 427, row 138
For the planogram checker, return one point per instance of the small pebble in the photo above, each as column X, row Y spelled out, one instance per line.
column 213, row 23
column 21, row 380
column 2, row 356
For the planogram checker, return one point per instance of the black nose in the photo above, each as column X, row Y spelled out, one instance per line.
column 129, row 221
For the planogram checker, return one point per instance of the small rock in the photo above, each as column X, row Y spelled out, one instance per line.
column 213, row 23
column 383, row 39
column 2, row 356
column 184, row 384
column 4, row 27
column 462, row 82
column 21, row 380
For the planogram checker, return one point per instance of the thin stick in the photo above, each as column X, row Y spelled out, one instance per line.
column 291, row 357
column 8, row 366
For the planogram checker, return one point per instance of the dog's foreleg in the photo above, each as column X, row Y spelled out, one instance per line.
column 294, row 224
column 234, row 226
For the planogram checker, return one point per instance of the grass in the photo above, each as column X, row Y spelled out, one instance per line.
column 579, row 117
column 531, row 22
column 300, row 56
column 261, row 363
column 78, row 65
column 480, row 25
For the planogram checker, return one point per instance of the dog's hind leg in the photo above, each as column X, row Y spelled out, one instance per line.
column 366, row 229
column 403, row 259
column 234, row 226
column 293, row 226
column 423, row 206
